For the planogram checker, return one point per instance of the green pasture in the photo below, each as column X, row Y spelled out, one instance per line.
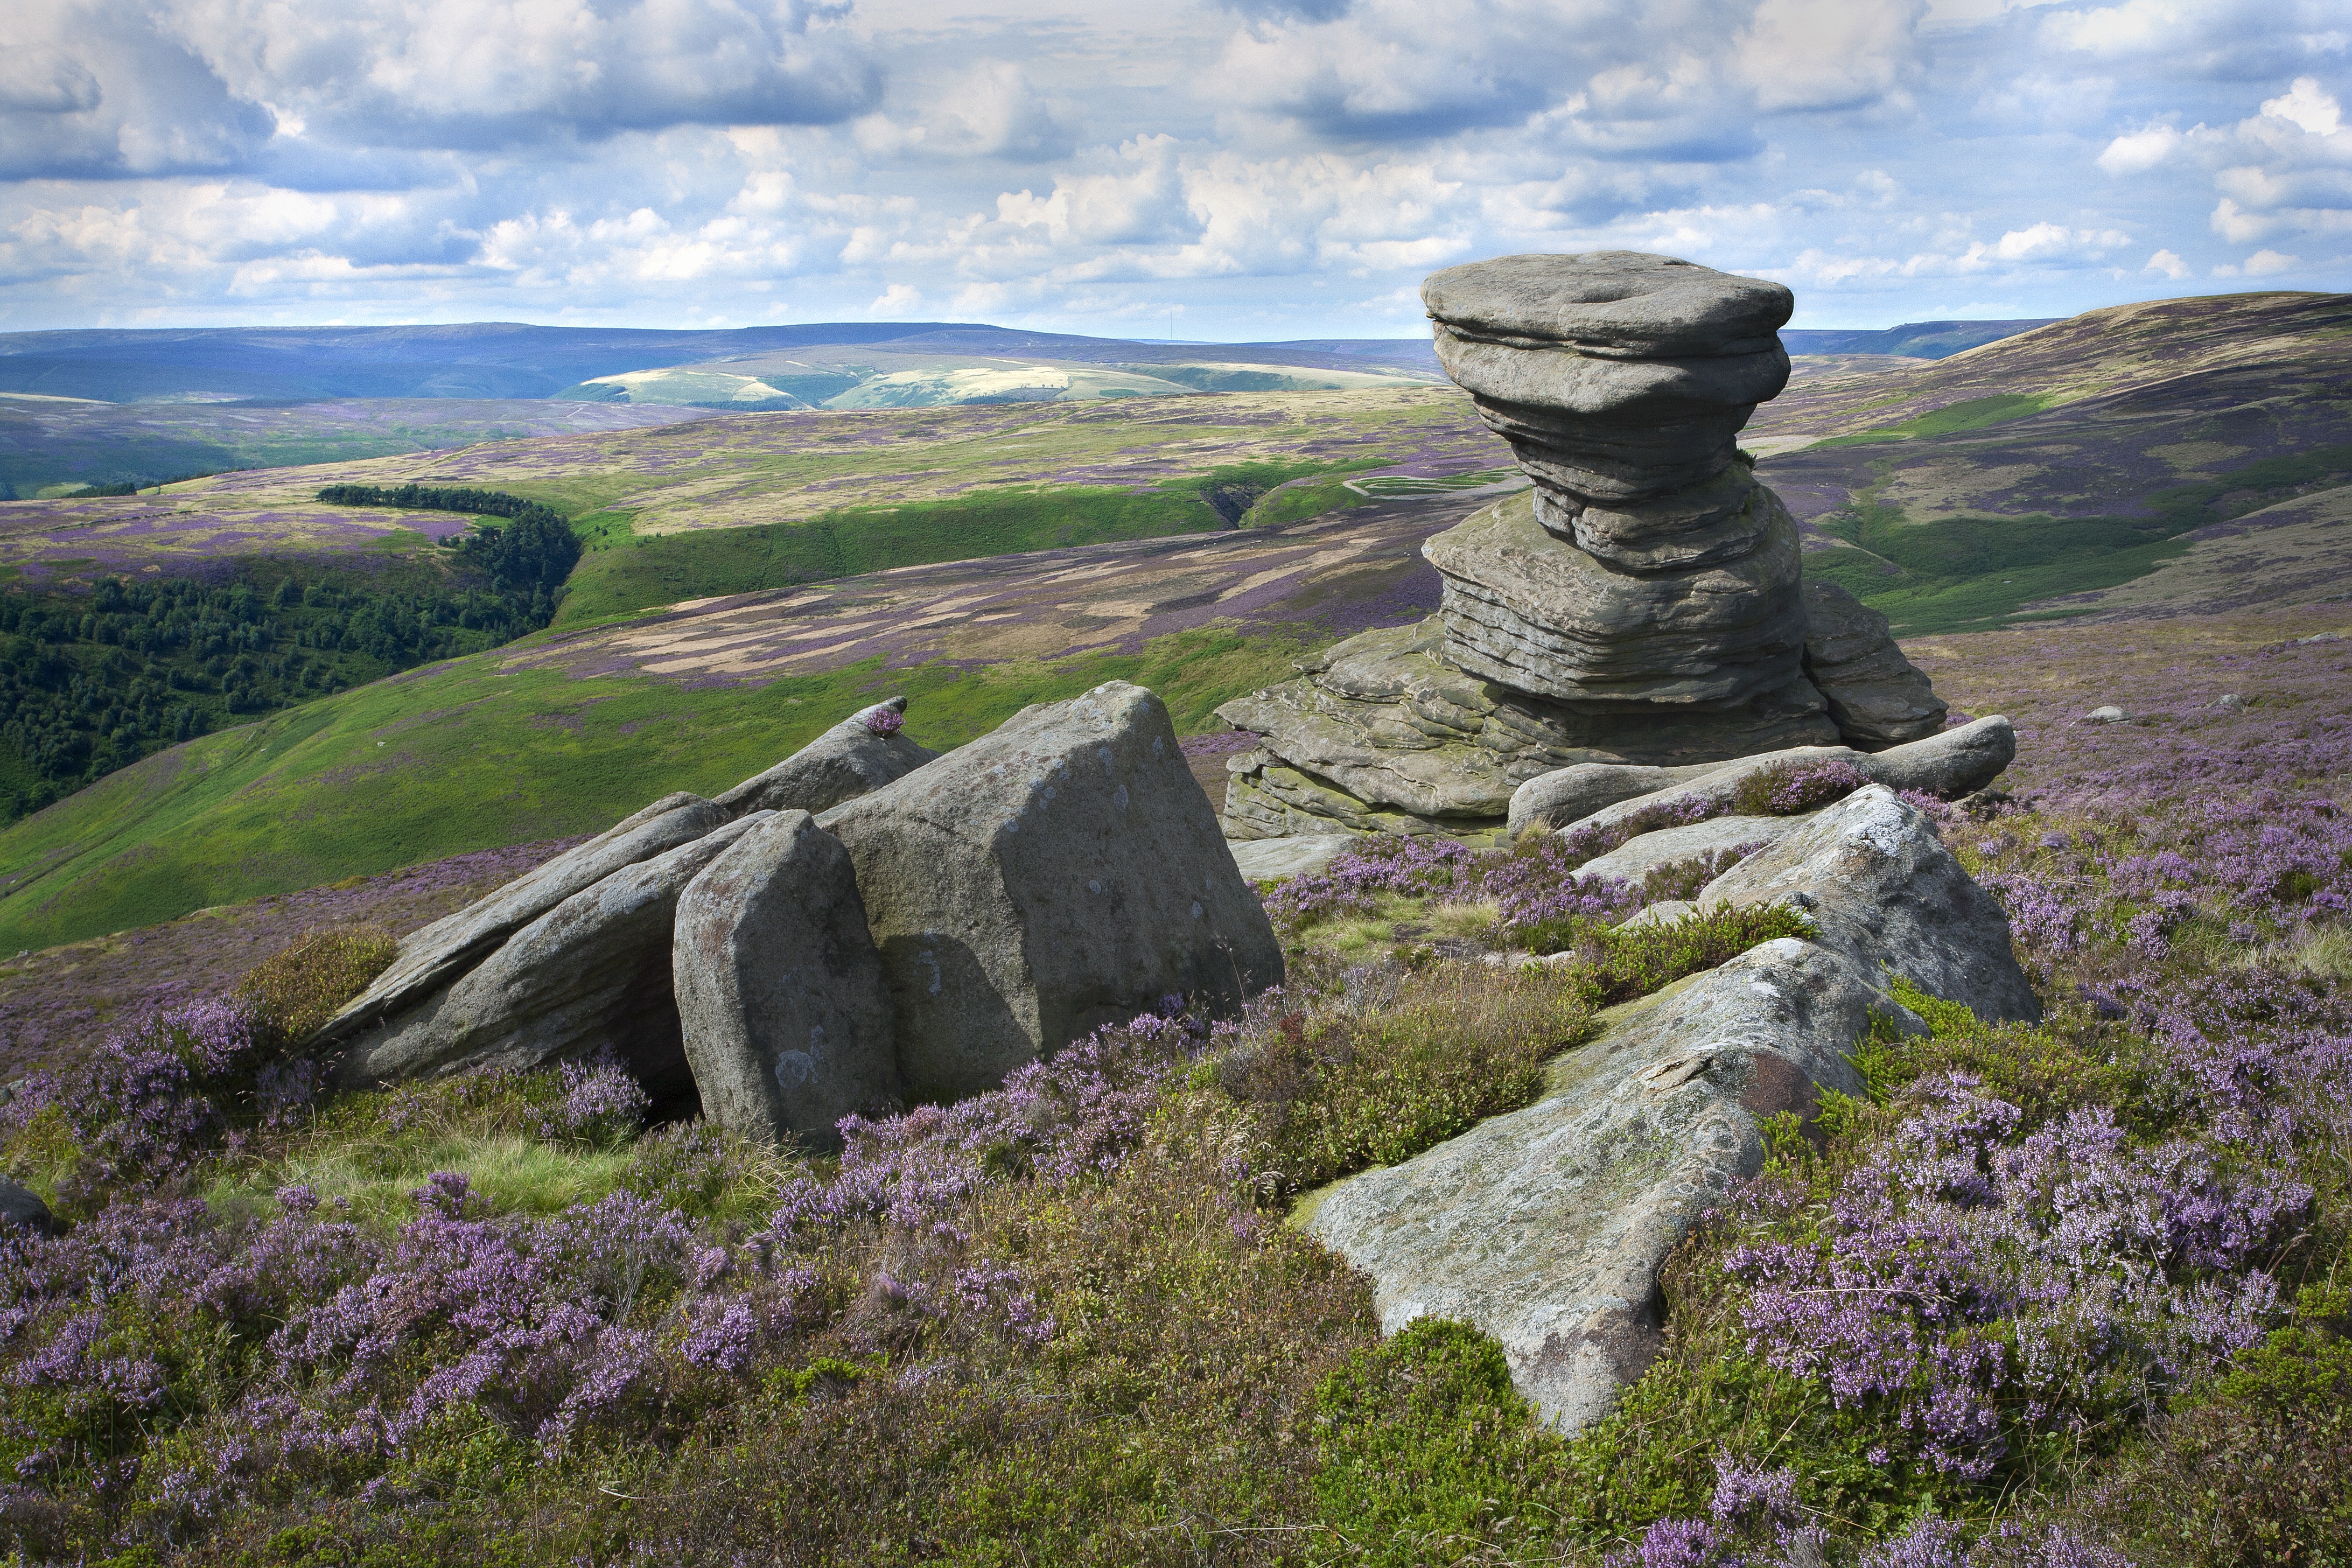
column 462, row 756
column 1953, row 418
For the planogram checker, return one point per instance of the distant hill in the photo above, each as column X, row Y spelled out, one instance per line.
column 1913, row 340
column 512, row 360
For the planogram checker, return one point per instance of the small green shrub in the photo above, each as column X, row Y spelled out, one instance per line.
column 301, row 987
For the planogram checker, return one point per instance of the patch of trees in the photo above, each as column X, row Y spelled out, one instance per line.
column 532, row 553
column 93, row 681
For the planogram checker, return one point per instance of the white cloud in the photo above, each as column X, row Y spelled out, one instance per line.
column 2166, row 263
column 2263, row 263
column 2140, row 150
column 2307, row 106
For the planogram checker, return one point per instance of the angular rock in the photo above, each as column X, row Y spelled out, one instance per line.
column 1883, row 891
column 846, row 762
column 431, row 959
column 1536, row 614
column 780, row 990
column 21, row 1208
column 1637, row 857
column 1058, row 874
column 592, row 973
column 1878, row 698
column 1546, row 1227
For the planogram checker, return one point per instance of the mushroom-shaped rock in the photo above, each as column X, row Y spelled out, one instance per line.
column 1060, row 873
column 861, row 753
column 429, row 960
column 780, row 990
column 593, row 972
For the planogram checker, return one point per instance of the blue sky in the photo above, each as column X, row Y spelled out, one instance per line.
column 1256, row 169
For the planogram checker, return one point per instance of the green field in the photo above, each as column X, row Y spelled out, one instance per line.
column 461, row 756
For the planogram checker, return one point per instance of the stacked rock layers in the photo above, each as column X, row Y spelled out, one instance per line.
column 1642, row 604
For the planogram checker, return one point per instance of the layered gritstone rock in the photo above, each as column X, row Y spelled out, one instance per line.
column 1644, row 604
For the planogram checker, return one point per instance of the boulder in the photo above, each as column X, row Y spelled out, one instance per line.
column 1878, row 698
column 1570, row 794
column 429, row 960
column 1274, row 859
column 1883, row 893
column 2109, row 714
column 590, row 973
column 780, row 991
column 846, row 762
column 1060, row 873
column 1546, row 1227
column 1637, row 857
column 21, row 1208
column 1951, row 764
column 1715, row 793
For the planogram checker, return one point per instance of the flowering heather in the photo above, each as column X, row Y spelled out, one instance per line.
column 885, row 721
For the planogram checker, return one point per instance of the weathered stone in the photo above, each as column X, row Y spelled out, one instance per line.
column 1637, row 857
column 429, row 960
column 1546, row 1227
column 1719, row 521
column 592, row 973
column 1951, row 764
column 2109, row 714
column 846, row 762
column 1060, row 873
column 1275, row 859
column 1875, row 695
column 1616, row 303
column 1570, row 794
column 780, row 991
column 1715, row 793
column 1883, row 891
column 1536, row 614
column 21, row 1208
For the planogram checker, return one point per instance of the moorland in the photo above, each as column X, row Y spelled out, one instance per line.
column 2095, row 1269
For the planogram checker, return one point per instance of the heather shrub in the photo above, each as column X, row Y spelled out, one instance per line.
column 293, row 992
column 1399, row 1060
column 1785, row 789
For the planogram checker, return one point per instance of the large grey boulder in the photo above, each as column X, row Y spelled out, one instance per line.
column 1277, row 860
column 846, row 762
column 1568, row 795
column 780, row 991
column 1058, row 874
column 593, row 972
column 1950, row 763
column 21, row 1208
column 1878, row 698
column 430, row 959
column 1546, row 1227
column 1884, row 892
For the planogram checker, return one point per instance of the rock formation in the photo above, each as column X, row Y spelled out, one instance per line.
column 1547, row 1226
column 1057, row 874
column 780, row 992
column 1642, row 604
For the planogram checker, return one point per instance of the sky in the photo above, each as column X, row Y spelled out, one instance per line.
column 1243, row 170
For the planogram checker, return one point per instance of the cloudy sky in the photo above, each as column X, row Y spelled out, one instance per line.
column 1245, row 170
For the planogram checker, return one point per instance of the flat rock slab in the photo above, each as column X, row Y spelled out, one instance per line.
column 846, row 762
column 1883, row 891
column 1546, row 1227
column 780, row 990
column 1274, row 859
column 432, row 959
column 591, row 973
column 1637, row 857
column 1060, row 873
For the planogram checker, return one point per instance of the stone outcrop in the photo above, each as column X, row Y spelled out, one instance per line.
column 1643, row 604
column 1637, row 857
column 21, row 1208
column 1952, row 763
column 859, row 755
column 1546, row 1227
column 1058, row 874
column 591, row 973
column 432, row 959
column 1883, row 893
column 786, row 1019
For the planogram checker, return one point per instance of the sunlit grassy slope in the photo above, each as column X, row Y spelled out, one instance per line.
column 464, row 756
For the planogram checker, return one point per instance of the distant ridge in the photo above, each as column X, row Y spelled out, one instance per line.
column 1913, row 340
